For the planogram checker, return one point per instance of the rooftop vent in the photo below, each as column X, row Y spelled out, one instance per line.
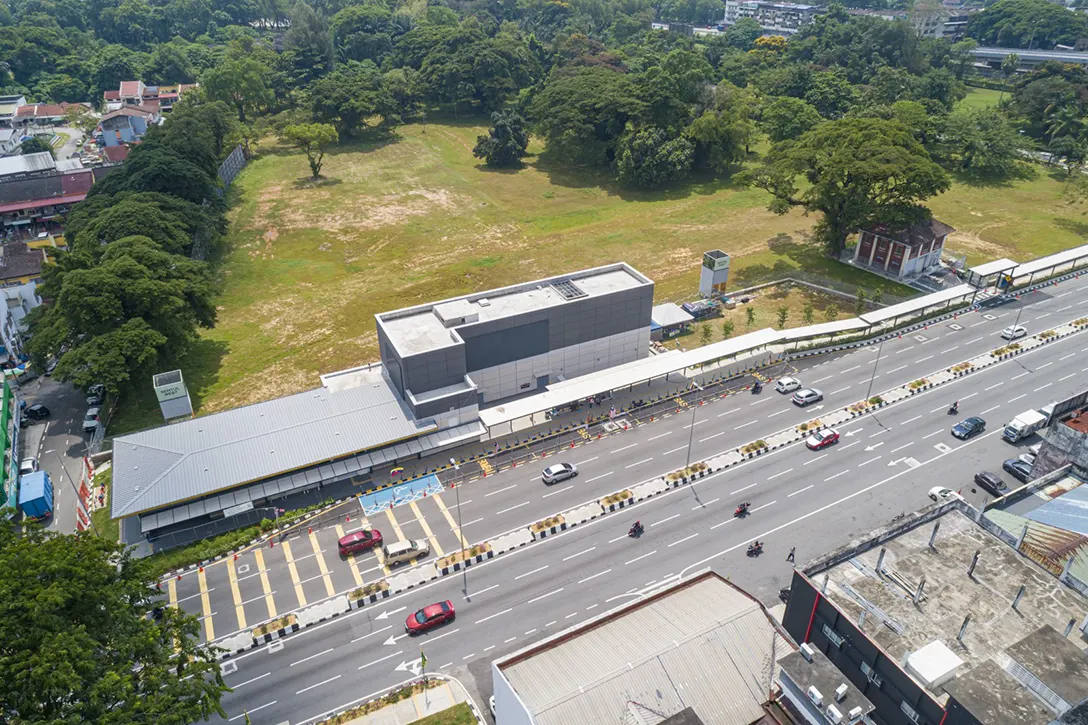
column 568, row 290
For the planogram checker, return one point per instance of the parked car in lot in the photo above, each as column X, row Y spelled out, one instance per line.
column 361, row 540
column 1014, row 332
column 1020, row 469
column 559, row 472
column 407, row 550
column 787, row 385
column 28, row 465
column 35, row 412
column 431, row 616
column 96, row 394
column 90, row 420
column 991, row 482
column 968, row 427
column 942, row 494
column 807, row 396
column 822, row 438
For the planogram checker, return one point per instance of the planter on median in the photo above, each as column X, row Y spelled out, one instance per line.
column 279, row 627
column 464, row 558
column 616, row 500
column 368, row 594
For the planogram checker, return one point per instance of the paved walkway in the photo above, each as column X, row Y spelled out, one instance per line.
column 428, row 702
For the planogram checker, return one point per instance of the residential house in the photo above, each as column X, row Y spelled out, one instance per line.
column 9, row 141
column 32, row 205
column 20, row 274
column 9, row 106
column 902, row 253
column 40, row 114
column 127, row 124
column 136, row 93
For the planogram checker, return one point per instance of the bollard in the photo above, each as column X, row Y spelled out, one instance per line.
column 236, row 557
column 179, row 577
column 309, row 529
column 347, row 519
column 158, row 585
column 271, row 543
column 572, row 444
column 200, row 569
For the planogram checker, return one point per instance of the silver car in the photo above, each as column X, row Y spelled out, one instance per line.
column 559, row 472
column 90, row 420
column 806, row 396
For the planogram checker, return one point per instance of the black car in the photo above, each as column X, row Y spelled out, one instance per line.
column 36, row 412
column 968, row 427
column 990, row 481
column 1021, row 470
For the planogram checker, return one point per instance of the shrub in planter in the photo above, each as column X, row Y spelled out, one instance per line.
column 365, row 591
column 615, row 497
column 464, row 554
column 688, row 472
column 1081, row 322
column 754, row 446
column 876, row 400
column 275, row 625
column 962, row 367
column 548, row 523
column 919, row 383
column 859, row 406
column 1046, row 334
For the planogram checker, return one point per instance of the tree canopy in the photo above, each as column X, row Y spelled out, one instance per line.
column 505, row 142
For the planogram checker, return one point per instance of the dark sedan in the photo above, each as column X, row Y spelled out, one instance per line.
column 991, row 482
column 1020, row 469
column 968, row 427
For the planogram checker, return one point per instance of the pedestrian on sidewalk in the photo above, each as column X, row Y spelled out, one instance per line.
column 789, row 556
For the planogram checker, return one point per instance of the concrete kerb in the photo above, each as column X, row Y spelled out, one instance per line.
column 466, row 563
column 513, row 540
column 369, row 599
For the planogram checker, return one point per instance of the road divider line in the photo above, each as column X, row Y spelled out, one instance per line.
column 745, row 425
column 674, row 450
column 905, row 445
column 567, row 488
column 1017, row 377
column 917, row 417
column 778, row 413
column 583, row 581
column 1042, row 387
column 252, row 710
column 371, row 634
column 639, row 463
column 780, row 473
column 799, row 491
column 243, row 684
column 681, row 541
column 544, row 596
column 620, row 450
column 766, row 505
column 659, row 436
column 502, row 511
column 492, row 616
column 598, row 478
column 710, row 438
column 585, row 551
column 640, row 558
column 751, row 485
column 670, row 518
column 840, row 473
column 1018, row 398
column 492, row 493
column 323, row 682
column 529, row 573
column 841, row 390
column 877, row 458
column 311, row 657
column 990, row 410
column 993, row 386
column 383, row 659
column 704, row 505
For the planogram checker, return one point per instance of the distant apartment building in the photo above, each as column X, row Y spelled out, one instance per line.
column 775, row 18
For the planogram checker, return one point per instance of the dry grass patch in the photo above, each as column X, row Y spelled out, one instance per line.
column 464, row 554
column 275, row 625
column 548, row 523
column 615, row 498
column 368, row 589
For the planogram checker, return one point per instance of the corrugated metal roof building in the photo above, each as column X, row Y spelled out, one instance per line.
column 701, row 644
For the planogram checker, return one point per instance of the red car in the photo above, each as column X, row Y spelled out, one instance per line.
column 822, row 438
column 431, row 616
column 361, row 540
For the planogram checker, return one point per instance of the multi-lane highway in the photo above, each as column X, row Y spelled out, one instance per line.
column 814, row 501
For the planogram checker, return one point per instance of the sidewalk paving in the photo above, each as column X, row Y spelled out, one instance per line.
column 419, row 705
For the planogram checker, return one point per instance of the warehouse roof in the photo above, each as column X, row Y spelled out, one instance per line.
column 701, row 643
column 168, row 465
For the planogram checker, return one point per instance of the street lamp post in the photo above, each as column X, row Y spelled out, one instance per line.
column 691, row 431
column 457, row 493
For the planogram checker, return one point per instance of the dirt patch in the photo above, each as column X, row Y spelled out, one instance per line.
column 971, row 243
column 305, row 210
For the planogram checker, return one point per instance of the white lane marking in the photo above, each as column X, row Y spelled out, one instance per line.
column 1042, row 387
column 377, row 631
column 467, row 523
column 840, row 390
column 823, row 455
column 882, row 431
column 323, row 682
column 681, row 541
column 968, row 396
column 252, row 710
column 1044, row 365
column 670, row 518
column 583, row 581
column 708, row 438
column 243, row 684
column 674, row 450
column 1067, row 356
column 482, row 591
column 990, row 410
column 726, row 412
column 905, row 445
column 704, row 505
column 954, row 347
column 836, row 475
column 561, row 490
column 1017, row 377
column 659, row 436
column 827, row 377
column 588, row 460
column 624, row 448
column 613, row 541
column 853, row 368
column 971, row 341
column 757, row 402
column 800, row 491
column 758, row 508
column 529, row 573
column 639, row 463
column 586, row 551
column 307, row 659
column 524, row 503
column 936, row 409
column 497, row 614
column 721, row 524
column 782, row 473
column 751, row 485
column 550, row 623
column 698, row 422
column 1065, row 308
column 598, row 478
column 896, row 370
column 778, row 413
column 1067, row 377
column 993, row 386
column 745, row 425
column 911, row 420
column 924, row 359
column 500, row 490
column 471, row 654
column 1018, row 398
column 869, row 461
column 383, row 659
column 640, row 558
column 544, row 596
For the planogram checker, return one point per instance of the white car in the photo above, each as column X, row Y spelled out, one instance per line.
column 942, row 494
column 1014, row 332
column 806, row 396
column 28, row 465
column 559, row 472
column 787, row 385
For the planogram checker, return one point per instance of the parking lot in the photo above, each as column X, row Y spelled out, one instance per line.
column 305, row 567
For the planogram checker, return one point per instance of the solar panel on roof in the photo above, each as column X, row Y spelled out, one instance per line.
column 568, row 290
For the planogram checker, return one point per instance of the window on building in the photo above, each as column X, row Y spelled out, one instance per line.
column 871, row 674
column 836, row 638
column 909, row 711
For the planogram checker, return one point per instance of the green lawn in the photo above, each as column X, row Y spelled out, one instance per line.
column 106, row 527
column 981, row 97
column 460, row 714
column 416, row 218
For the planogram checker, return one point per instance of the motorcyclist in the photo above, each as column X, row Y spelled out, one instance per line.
column 755, row 545
column 636, row 528
column 743, row 508
column 955, row 406
column 758, row 387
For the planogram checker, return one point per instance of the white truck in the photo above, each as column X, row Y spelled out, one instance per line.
column 1028, row 422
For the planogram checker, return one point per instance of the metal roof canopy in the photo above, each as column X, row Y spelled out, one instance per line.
column 834, row 327
column 700, row 643
column 1051, row 261
column 919, row 305
column 1068, row 512
column 998, row 265
column 622, row 376
column 668, row 314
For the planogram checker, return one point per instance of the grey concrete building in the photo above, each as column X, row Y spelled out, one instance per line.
column 490, row 346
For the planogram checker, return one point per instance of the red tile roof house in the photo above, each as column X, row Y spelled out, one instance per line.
column 135, row 93
column 42, row 114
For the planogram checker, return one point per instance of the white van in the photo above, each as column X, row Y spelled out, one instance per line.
column 402, row 551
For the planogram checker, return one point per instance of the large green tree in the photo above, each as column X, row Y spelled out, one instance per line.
column 241, row 83
column 649, row 159
column 855, row 172
column 87, row 648
column 350, row 95
column 981, row 142
column 505, row 142
column 787, row 118
column 1018, row 23
column 312, row 139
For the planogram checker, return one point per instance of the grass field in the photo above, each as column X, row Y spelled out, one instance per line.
column 981, row 97
column 416, row 218
column 460, row 714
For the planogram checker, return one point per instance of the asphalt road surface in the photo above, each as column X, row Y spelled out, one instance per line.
column 884, row 465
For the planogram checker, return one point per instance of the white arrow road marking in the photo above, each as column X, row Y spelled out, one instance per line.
column 853, row 432
column 385, row 615
column 874, row 447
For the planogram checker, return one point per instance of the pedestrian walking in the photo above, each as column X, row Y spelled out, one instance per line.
column 789, row 556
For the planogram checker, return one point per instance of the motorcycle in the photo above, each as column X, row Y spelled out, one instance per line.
column 755, row 549
column 757, row 388
column 954, row 408
column 741, row 510
column 636, row 530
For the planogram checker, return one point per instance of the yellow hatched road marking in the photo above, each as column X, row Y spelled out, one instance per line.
column 320, row 556
column 258, row 556
column 172, row 592
column 286, row 546
column 485, row 466
column 351, row 559
column 205, row 604
column 449, row 519
column 236, row 593
column 427, row 530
